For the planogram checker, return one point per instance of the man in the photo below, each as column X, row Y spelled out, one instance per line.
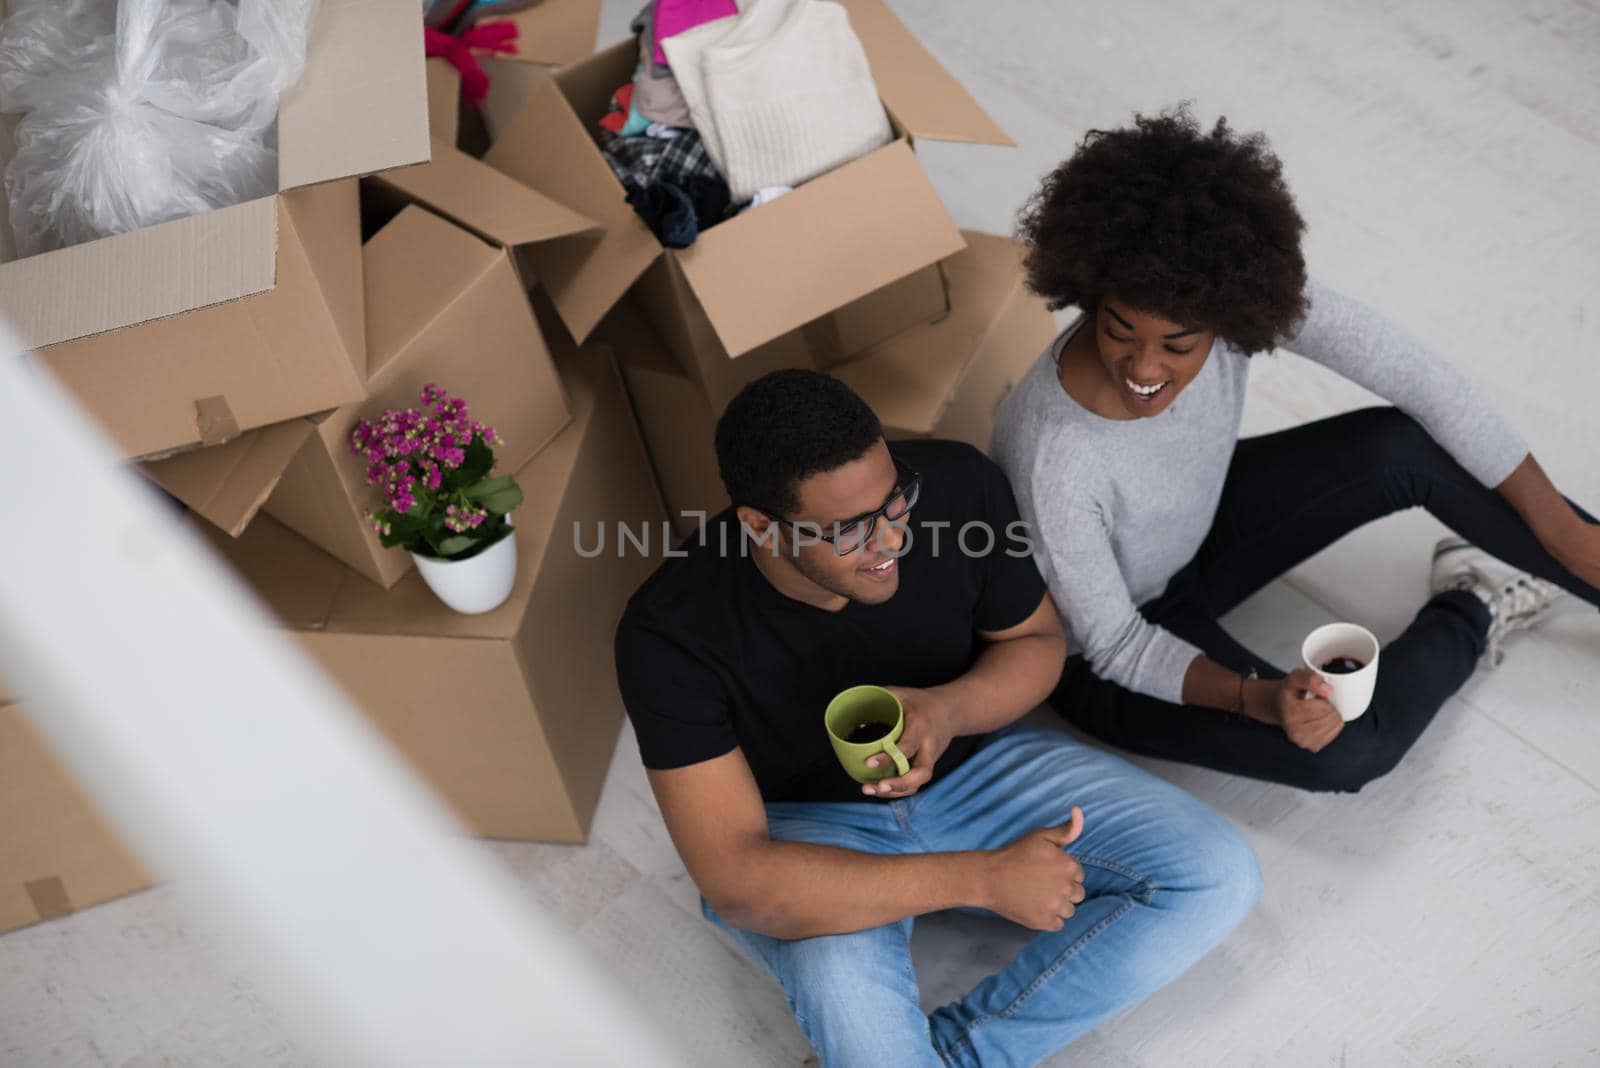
column 816, row 580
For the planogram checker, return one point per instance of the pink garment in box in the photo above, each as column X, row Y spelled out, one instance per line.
column 675, row 16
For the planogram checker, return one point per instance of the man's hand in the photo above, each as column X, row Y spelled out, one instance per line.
column 1299, row 704
column 931, row 719
column 1034, row 882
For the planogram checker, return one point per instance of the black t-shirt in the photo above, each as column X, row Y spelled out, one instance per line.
column 711, row 656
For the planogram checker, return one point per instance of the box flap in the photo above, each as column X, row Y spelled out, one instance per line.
column 511, row 83
column 326, row 219
column 547, row 148
column 483, row 199
column 444, row 100
column 555, row 32
column 147, row 274
column 414, row 268
column 831, row 241
column 915, row 87
column 361, row 105
column 228, row 484
column 910, row 379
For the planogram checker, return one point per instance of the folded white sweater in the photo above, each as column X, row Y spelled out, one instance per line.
column 780, row 93
column 684, row 52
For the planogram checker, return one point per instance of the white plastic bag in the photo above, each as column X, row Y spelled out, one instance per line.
column 142, row 111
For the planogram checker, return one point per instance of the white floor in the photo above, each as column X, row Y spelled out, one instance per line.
column 1446, row 157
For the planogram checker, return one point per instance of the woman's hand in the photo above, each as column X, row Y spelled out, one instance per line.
column 1299, row 704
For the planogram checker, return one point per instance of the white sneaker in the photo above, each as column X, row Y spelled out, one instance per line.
column 1516, row 599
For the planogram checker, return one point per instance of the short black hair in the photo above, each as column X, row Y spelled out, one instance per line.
column 1192, row 225
column 785, row 427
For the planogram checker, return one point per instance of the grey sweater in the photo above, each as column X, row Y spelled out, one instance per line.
column 1117, row 507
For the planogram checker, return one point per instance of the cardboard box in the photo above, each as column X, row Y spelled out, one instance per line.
column 675, row 417
column 57, row 854
column 550, row 34
column 229, row 484
column 755, row 278
column 441, row 306
column 188, row 332
column 947, row 379
column 455, row 184
column 920, row 297
column 944, row 379
column 511, row 715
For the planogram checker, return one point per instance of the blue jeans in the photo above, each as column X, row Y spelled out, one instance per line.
column 1166, row 879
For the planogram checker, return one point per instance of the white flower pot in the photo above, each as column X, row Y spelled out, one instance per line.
column 477, row 584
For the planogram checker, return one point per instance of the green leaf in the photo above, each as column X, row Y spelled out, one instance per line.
column 456, row 544
column 490, row 486
column 503, row 502
column 402, row 529
column 433, row 534
column 479, row 459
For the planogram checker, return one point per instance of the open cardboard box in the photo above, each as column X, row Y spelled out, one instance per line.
column 442, row 306
column 750, row 281
column 511, row 715
column 943, row 379
column 189, row 332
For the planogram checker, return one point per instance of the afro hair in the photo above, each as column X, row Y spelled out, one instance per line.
column 1195, row 226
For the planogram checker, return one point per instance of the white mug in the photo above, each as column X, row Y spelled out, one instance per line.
column 1352, row 691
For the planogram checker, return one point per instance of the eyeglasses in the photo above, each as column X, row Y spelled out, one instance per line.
column 851, row 534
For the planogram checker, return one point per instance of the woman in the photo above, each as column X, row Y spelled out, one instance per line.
column 1183, row 246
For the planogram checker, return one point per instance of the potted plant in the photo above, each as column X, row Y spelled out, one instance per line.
column 441, row 505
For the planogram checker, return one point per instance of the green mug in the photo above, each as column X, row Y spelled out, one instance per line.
column 862, row 708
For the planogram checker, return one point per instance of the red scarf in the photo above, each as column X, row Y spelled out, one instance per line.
column 492, row 37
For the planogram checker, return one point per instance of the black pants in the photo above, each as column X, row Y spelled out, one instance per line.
column 1287, row 496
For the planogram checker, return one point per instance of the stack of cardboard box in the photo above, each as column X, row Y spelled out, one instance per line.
column 861, row 271
column 232, row 353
